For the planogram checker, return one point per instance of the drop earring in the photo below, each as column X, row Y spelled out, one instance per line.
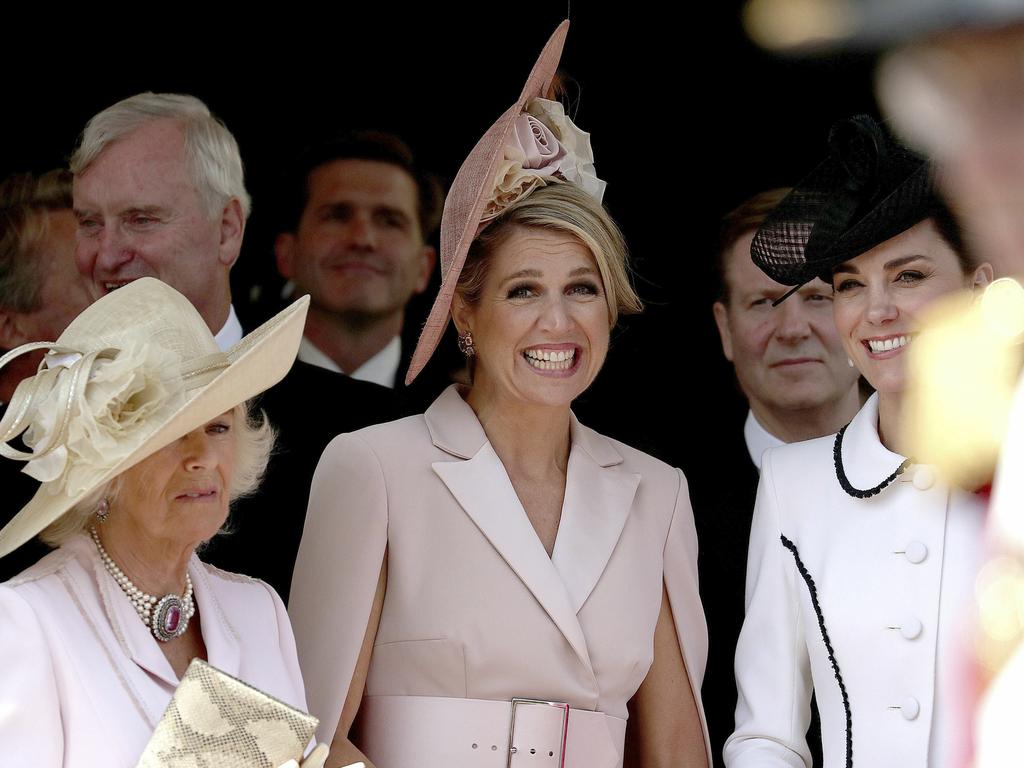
column 466, row 344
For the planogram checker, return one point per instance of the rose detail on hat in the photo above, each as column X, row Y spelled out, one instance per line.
column 580, row 170
column 543, row 146
column 122, row 403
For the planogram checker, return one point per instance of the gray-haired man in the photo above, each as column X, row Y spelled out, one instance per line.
column 159, row 192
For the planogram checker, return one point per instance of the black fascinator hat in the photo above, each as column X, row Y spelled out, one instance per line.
column 869, row 189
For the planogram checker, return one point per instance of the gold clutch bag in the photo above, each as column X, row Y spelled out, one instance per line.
column 216, row 721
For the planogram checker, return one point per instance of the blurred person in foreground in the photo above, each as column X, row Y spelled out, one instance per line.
column 137, row 428
column 490, row 582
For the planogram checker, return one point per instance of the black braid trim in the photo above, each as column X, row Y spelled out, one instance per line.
column 813, row 590
column 844, row 481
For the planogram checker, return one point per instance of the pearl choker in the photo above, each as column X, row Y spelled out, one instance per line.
column 167, row 617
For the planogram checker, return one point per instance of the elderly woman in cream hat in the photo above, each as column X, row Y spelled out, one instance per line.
column 136, row 427
column 491, row 583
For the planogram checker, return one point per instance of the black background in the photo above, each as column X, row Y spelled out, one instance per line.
column 687, row 119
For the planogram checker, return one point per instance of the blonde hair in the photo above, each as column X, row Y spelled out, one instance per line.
column 562, row 207
column 254, row 443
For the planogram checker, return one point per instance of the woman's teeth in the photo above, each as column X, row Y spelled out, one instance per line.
column 546, row 360
column 884, row 345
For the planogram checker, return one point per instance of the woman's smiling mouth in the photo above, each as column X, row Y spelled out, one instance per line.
column 879, row 346
column 547, row 359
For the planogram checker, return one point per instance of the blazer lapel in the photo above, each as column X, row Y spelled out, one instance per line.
column 482, row 488
column 598, row 497
column 135, row 638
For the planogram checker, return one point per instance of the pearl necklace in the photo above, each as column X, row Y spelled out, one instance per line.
column 167, row 617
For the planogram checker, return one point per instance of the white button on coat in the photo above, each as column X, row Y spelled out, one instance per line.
column 910, row 708
column 911, row 628
column 916, row 552
column 924, row 478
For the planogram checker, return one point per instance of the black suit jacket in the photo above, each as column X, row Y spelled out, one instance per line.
column 307, row 409
column 723, row 488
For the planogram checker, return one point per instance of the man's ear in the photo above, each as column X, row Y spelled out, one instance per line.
column 284, row 250
column 428, row 258
column 724, row 333
column 232, row 228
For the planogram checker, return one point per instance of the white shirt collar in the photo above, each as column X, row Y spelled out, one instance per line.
column 381, row 369
column 758, row 439
column 231, row 333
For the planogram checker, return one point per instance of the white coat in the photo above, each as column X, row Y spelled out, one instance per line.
column 843, row 597
column 83, row 683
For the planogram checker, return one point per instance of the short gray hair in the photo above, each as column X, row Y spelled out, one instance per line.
column 211, row 152
column 254, row 442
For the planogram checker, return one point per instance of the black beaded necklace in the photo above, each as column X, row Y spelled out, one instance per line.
column 844, row 481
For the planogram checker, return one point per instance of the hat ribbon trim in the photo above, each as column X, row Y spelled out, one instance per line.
column 196, row 372
column 33, row 390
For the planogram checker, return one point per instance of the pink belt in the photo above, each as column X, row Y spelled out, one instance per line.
column 434, row 732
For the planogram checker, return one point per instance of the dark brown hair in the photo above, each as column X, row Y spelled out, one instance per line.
column 361, row 145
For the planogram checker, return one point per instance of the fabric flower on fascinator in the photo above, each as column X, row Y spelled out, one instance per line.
column 543, row 146
column 104, row 421
column 579, row 167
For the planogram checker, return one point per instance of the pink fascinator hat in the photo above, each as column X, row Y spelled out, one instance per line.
column 532, row 144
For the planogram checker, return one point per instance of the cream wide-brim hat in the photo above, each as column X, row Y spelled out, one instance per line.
column 144, row 312
column 474, row 183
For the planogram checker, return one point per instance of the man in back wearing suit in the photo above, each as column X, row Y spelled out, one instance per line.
column 41, row 292
column 159, row 192
column 798, row 384
column 356, row 217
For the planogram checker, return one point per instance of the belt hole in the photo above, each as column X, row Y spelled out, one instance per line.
column 551, row 754
column 474, row 746
column 533, row 751
column 494, row 747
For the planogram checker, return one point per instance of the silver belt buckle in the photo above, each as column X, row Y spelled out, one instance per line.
column 516, row 701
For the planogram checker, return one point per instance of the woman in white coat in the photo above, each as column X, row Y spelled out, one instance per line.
column 859, row 558
column 492, row 583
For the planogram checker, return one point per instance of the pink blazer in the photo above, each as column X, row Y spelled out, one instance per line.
column 82, row 681
column 474, row 607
